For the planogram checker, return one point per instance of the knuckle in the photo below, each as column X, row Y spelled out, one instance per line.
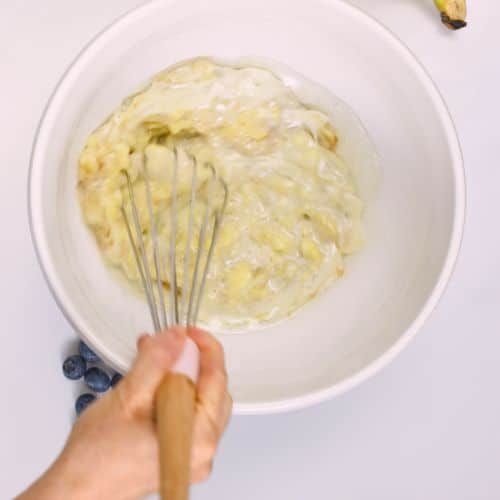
column 125, row 395
column 215, row 345
column 202, row 472
column 218, row 346
column 205, row 450
column 213, row 377
column 209, row 447
column 229, row 403
column 219, row 375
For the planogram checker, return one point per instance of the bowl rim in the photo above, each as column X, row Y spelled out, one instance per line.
column 36, row 223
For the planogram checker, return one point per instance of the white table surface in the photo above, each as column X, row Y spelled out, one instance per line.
column 426, row 427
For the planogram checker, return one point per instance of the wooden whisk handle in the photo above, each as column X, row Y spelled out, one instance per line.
column 175, row 406
column 175, row 402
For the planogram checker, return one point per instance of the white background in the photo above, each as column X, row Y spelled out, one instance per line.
column 427, row 427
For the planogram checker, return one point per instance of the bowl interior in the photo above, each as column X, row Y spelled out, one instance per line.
column 411, row 224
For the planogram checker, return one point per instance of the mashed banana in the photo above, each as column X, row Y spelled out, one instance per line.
column 293, row 212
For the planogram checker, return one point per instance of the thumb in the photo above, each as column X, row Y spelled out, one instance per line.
column 156, row 356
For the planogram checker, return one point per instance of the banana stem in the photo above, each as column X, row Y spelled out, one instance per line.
column 453, row 13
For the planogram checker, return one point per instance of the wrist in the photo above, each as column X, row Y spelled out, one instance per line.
column 70, row 480
column 88, row 478
column 60, row 482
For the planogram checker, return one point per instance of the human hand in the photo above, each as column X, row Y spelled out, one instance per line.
column 112, row 451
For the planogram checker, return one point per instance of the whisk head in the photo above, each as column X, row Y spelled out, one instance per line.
column 181, row 303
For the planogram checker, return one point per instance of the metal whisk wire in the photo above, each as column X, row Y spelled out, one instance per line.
column 191, row 294
column 140, row 255
column 156, row 249
column 201, row 240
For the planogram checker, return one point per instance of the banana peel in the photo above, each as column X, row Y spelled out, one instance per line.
column 453, row 13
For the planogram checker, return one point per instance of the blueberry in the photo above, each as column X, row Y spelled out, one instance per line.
column 83, row 401
column 74, row 367
column 115, row 379
column 88, row 354
column 97, row 380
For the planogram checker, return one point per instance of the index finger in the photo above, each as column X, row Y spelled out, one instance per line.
column 212, row 382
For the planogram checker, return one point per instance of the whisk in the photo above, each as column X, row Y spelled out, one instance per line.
column 176, row 396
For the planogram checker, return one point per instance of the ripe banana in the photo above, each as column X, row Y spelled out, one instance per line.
column 453, row 13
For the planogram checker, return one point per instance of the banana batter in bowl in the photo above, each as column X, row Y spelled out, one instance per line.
column 293, row 212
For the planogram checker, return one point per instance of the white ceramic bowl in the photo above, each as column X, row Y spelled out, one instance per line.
column 414, row 227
